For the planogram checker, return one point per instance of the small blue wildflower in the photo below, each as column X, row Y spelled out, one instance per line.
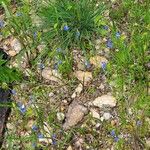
column 103, row 65
column 34, row 128
column 13, row 92
column 35, row 35
column 41, row 66
column 113, row 133
column 1, row 23
column 66, row 28
column 40, row 136
column 18, row 14
column 118, row 34
column 22, row 108
column 77, row 34
column 109, row 43
column 87, row 64
column 105, row 27
column 59, row 49
column 54, row 139
column 116, row 139
column 138, row 123
column 33, row 145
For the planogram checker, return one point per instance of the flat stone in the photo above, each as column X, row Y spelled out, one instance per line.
column 95, row 114
column 60, row 116
column 97, row 60
column 12, row 53
column 107, row 116
column 84, row 77
column 105, row 101
column 15, row 45
column 77, row 91
column 52, row 75
column 74, row 115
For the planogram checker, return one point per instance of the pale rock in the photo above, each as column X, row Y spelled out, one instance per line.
column 74, row 115
column 97, row 60
column 69, row 148
column 12, row 53
column 107, row 116
column 15, row 45
column 148, row 143
column 60, row 116
column 97, row 47
column 95, row 114
column 77, row 91
column 105, row 100
column 84, row 77
column 51, row 94
column 52, row 75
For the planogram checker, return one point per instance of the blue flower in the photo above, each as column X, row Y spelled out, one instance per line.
column 41, row 66
column 59, row 49
column 33, row 145
column 116, row 139
column 34, row 128
column 87, row 64
column 105, row 27
column 40, row 136
column 109, row 43
column 13, row 92
column 66, row 28
column 103, row 65
column 54, row 139
column 34, row 35
column 22, row 108
column 18, row 14
column 56, row 65
column 77, row 34
column 113, row 133
column 138, row 123
column 118, row 34
column 1, row 23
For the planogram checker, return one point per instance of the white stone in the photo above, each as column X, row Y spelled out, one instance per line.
column 60, row 116
column 97, row 60
column 15, row 45
column 107, row 116
column 105, row 100
column 84, row 77
column 95, row 114
column 74, row 115
column 69, row 148
column 77, row 91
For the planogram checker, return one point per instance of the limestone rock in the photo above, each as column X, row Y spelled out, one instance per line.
column 74, row 115
column 84, row 77
column 97, row 60
column 77, row 91
column 105, row 100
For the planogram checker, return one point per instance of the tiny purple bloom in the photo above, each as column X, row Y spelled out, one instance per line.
column 66, row 28
column 109, row 43
column 22, row 108
column 34, row 35
column 105, row 27
column 77, row 34
column 118, row 34
column 112, row 133
column 40, row 136
column 138, row 123
column 87, row 64
column 54, row 139
column 103, row 65
column 18, row 14
column 1, row 23
column 59, row 49
column 13, row 92
column 34, row 128
column 41, row 66
column 116, row 139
